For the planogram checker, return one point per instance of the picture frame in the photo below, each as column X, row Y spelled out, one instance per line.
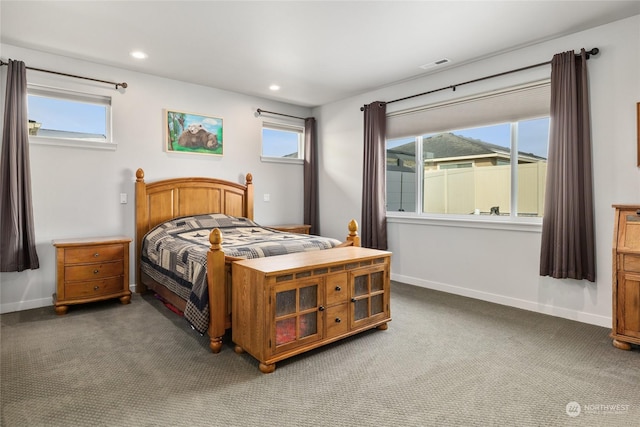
column 638, row 130
column 193, row 133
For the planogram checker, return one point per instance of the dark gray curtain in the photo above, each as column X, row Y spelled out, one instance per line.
column 311, row 176
column 17, row 241
column 568, row 242
column 374, row 216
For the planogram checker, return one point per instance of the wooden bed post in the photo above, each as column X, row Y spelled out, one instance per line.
column 142, row 222
column 249, row 196
column 353, row 233
column 217, row 290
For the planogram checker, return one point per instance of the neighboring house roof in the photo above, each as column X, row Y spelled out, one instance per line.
column 448, row 145
column 67, row 134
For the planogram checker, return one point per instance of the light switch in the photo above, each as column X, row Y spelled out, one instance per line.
column 123, row 198
column 267, row 197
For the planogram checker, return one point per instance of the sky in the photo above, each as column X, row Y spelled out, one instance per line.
column 58, row 114
column 533, row 136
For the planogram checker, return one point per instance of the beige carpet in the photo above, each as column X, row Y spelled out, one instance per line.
column 444, row 361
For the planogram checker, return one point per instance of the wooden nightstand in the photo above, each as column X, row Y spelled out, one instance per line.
column 292, row 228
column 91, row 269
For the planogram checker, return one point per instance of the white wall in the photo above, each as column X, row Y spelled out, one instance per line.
column 501, row 265
column 76, row 191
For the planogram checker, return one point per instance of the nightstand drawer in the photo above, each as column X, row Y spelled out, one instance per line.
column 93, row 271
column 93, row 288
column 93, row 254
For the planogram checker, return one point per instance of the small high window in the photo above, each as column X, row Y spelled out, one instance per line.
column 61, row 117
column 282, row 142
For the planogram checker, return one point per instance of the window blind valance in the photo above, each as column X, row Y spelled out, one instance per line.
column 512, row 104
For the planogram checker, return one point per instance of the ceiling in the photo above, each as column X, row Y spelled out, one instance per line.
column 317, row 51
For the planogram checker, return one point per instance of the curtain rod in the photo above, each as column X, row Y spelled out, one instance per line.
column 123, row 84
column 593, row 51
column 260, row 111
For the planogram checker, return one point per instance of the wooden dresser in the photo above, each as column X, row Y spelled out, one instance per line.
column 91, row 269
column 288, row 304
column 626, row 277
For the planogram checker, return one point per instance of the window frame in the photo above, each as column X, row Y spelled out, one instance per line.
column 503, row 222
column 284, row 127
column 81, row 98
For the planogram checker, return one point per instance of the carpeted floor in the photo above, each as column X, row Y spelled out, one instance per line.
column 444, row 361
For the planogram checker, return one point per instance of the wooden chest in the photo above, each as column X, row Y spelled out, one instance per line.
column 288, row 304
column 91, row 269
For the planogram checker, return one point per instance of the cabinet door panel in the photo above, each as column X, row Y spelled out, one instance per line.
column 629, row 305
column 285, row 302
column 297, row 314
column 369, row 295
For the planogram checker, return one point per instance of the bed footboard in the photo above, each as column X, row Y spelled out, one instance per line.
column 219, row 282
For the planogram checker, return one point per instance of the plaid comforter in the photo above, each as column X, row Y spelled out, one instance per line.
column 174, row 254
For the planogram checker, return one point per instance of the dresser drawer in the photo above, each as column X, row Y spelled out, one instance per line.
column 93, row 271
column 93, row 254
column 337, row 322
column 630, row 263
column 337, row 288
column 93, row 288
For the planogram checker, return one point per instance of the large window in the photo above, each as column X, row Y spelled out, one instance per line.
column 282, row 142
column 497, row 169
column 68, row 118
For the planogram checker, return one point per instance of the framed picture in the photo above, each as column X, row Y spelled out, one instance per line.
column 638, row 130
column 193, row 133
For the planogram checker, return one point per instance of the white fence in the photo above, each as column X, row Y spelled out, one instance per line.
column 462, row 191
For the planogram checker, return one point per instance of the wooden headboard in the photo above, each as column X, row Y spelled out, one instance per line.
column 161, row 201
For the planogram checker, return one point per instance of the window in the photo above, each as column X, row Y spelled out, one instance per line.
column 64, row 117
column 494, row 169
column 282, row 143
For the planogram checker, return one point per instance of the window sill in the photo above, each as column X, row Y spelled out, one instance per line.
column 63, row 142
column 282, row 160
column 533, row 225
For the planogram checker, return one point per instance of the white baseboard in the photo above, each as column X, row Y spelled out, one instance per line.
column 25, row 305
column 565, row 313
column 35, row 303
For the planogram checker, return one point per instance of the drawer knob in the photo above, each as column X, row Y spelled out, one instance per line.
column 353, row 300
column 95, row 288
column 96, row 271
column 321, row 308
column 96, row 255
column 338, row 320
column 338, row 288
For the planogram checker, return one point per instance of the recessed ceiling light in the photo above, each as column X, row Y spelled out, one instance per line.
column 274, row 87
column 138, row 54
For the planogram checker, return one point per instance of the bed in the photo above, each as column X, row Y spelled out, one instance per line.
column 204, row 207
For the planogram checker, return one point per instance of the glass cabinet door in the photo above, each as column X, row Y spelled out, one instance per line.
column 297, row 318
column 368, row 295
